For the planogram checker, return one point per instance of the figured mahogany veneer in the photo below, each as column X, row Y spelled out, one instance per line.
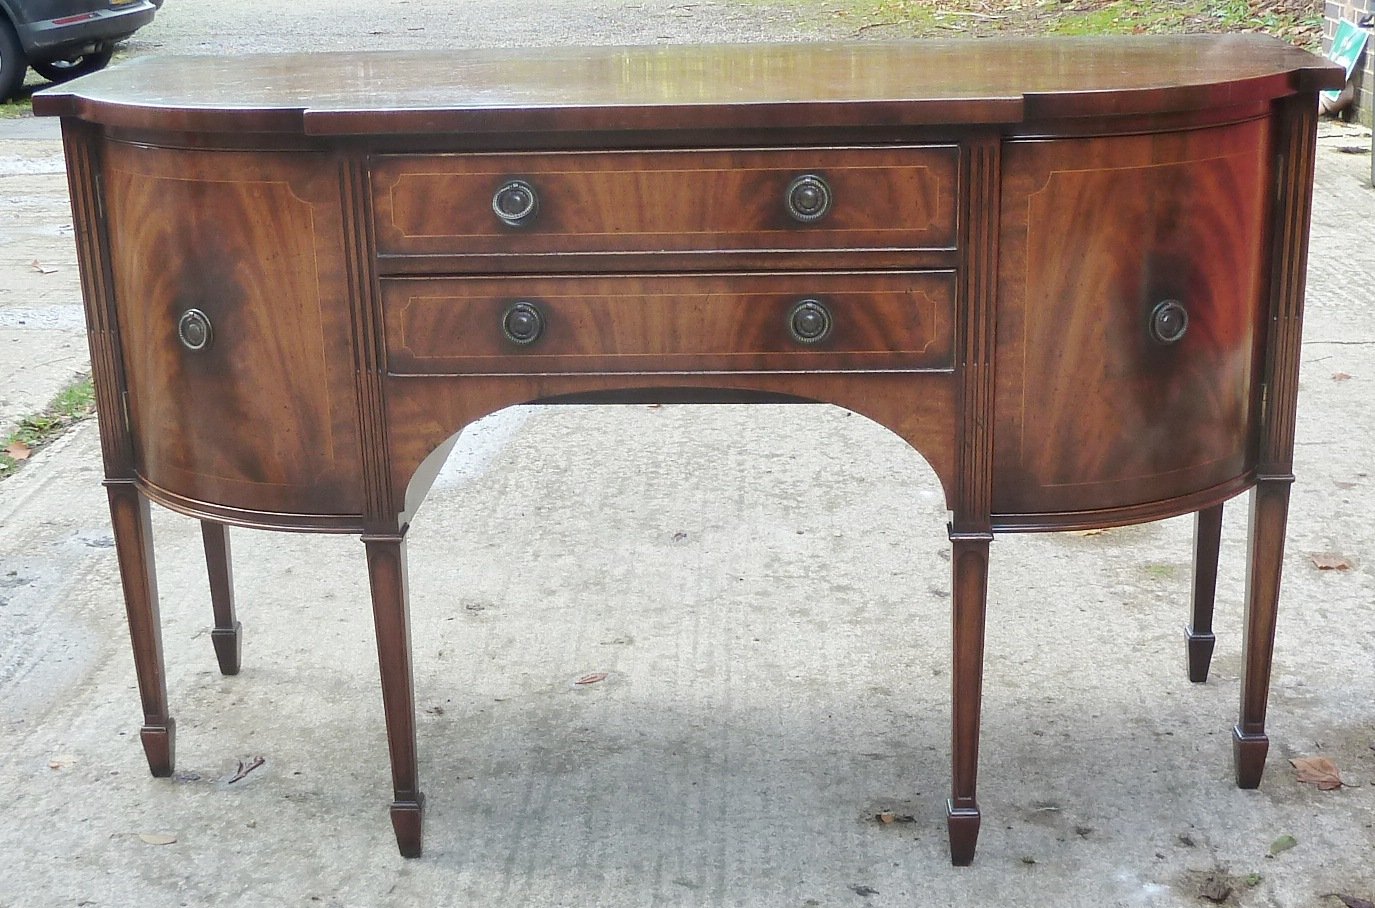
column 1068, row 272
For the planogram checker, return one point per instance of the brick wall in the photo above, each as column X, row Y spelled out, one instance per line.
column 1334, row 11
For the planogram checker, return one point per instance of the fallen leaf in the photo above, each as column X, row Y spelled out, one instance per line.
column 1350, row 901
column 1282, row 844
column 61, row 761
column 245, row 768
column 591, row 678
column 38, row 266
column 1326, row 561
column 18, row 450
column 152, row 838
column 679, row 536
column 1343, row 485
column 865, row 891
column 1319, row 771
column 1341, row 376
column 1096, row 531
column 887, row 817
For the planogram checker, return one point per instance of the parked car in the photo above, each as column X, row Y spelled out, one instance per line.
column 63, row 39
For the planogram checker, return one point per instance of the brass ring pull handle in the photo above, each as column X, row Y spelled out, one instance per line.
column 809, row 322
column 522, row 323
column 194, row 330
column 515, row 203
column 808, row 198
column 1169, row 322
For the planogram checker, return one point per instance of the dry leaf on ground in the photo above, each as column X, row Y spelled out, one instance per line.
column 1327, row 561
column 1319, row 771
column 591, row 678
column 245, row 768
column 41, row 268
column 18, row 450
column 1341, row 376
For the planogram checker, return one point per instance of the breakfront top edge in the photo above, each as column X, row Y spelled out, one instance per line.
column 786, row 86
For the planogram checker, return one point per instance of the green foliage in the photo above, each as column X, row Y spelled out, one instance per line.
column 72, row 404
column 13, row 110
column 1297, row 21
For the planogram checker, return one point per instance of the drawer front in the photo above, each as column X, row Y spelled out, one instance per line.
column 751, row 322
column 667, row 201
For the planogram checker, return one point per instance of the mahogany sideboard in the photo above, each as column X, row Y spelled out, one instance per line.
column 1070, row 273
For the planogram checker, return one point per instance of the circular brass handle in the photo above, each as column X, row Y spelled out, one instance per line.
column 808, row 198
column 515, row 203
column 522, row 323
column 809, row 322
column 194, row 330
column 1169, row 322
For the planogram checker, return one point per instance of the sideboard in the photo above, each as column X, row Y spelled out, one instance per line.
column 1070, row 273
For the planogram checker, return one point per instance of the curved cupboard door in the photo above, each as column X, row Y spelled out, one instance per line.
column 230, row 285
column 1131, row 303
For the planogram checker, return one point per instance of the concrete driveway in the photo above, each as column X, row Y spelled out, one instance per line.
column 766, row 591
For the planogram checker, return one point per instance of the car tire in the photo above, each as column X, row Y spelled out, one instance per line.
column 66, row 70
column 12, row 62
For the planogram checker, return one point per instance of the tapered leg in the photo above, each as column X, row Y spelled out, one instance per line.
column 390, row 609
column 134, row 548
column 1269, row 512
column 969, row 562
column 1199, row 633
column 227, row 636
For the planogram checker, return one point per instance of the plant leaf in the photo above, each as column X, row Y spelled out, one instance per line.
column 1282, row 844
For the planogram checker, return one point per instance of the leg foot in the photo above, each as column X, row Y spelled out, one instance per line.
column 1200, row 648
column 228, row 643
column 963, row 826
column 1248, row 757
column 160, row 747
column 407, row 820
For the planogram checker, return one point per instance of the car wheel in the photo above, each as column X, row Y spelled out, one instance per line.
column 12, row 62
column 83, row 64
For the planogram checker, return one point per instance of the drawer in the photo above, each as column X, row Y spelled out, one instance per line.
column 686, row 323
column 891, row 198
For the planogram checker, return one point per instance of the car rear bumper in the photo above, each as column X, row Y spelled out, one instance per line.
column 51, row 36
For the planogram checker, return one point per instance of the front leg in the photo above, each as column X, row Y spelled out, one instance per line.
column 1269, row 513
column 391, row 616
column 134, row 549
column 969, row 567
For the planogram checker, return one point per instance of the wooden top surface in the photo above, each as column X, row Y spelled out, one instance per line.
column 988, row 81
